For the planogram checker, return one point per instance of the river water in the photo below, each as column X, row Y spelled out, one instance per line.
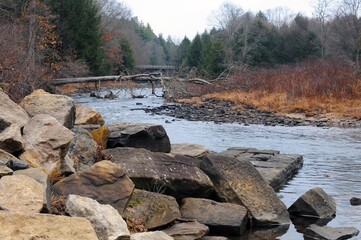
column 332, row 156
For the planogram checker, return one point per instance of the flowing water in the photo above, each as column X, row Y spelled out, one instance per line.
column 332, row 156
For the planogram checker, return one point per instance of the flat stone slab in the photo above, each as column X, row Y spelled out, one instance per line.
column 219, row 217
column 191, row 150
column 274, row 167
column 330, row 233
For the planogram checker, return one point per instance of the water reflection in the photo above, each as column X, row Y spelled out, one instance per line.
column 332, row 157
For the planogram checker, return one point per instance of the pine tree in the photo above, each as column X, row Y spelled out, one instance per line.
column 79, row 29
column 127, row 57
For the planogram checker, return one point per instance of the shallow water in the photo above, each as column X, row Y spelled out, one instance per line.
column 332, row 157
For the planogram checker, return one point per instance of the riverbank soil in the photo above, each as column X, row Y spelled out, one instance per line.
column 314, row 91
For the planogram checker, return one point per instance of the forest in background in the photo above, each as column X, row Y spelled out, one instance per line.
column 45, row 39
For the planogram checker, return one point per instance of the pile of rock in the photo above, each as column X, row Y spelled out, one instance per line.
column 125, row 181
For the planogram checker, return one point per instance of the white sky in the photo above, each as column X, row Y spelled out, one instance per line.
column 179, row 18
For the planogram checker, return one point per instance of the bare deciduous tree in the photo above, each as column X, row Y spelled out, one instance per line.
column 349, row 24
column 322, row 12
column 228, row 19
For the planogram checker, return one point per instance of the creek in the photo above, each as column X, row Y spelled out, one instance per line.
column 332, row 156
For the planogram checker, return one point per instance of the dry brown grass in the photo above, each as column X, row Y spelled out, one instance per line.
column 57, row 203
column 330, row 88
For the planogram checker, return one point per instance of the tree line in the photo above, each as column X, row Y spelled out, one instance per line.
column 43, row 39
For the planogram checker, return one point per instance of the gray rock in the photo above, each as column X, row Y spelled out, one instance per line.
column 12, row 119
column 7, row 159
column 219, row 217
column 104, row 182
column 314, row 203
column 355, row 201
column 237, row 181
column 82, row 149
column 157, row 235
column 155, row 209
column 147, row 136
column 187, row 231
column 22, row 194
column 330, row 233
column 106, row 221
column 44, row 226
column 174, row 175
column 41, row 177
column 46, row 142
column 58, row 106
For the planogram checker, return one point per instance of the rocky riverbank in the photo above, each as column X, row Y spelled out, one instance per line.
column 226, row 112
column 66, row 175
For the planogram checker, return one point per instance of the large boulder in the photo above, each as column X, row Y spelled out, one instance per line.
column 86, row 115
column 104, row 182
column 44, row 226
column 174, row 175
column 106, row 221
column 157, row 235
column 330, row 233
column 41, row 177
column 58, row 106
column 82, row 149
column 46, row 142
column 219, row 217
column 314, row 203
column 237, row 181
column 154, row 209
column 22, row 194
column 12, row 119
column 137, row 135
column 187, row 231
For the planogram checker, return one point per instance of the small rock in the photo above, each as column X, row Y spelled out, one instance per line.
column 4, row 171
column 187, row 231
column 158, row 235
column 355, row 201
column 86, row 115
column 330, row 233
column 100, row 136
column 314, row 203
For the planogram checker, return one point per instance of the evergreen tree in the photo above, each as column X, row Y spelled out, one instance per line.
column 128, row 62
column 79, row 30
column 182, row 53
column 194, row 58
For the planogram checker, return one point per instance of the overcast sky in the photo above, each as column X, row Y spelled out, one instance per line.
column 179, row 18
